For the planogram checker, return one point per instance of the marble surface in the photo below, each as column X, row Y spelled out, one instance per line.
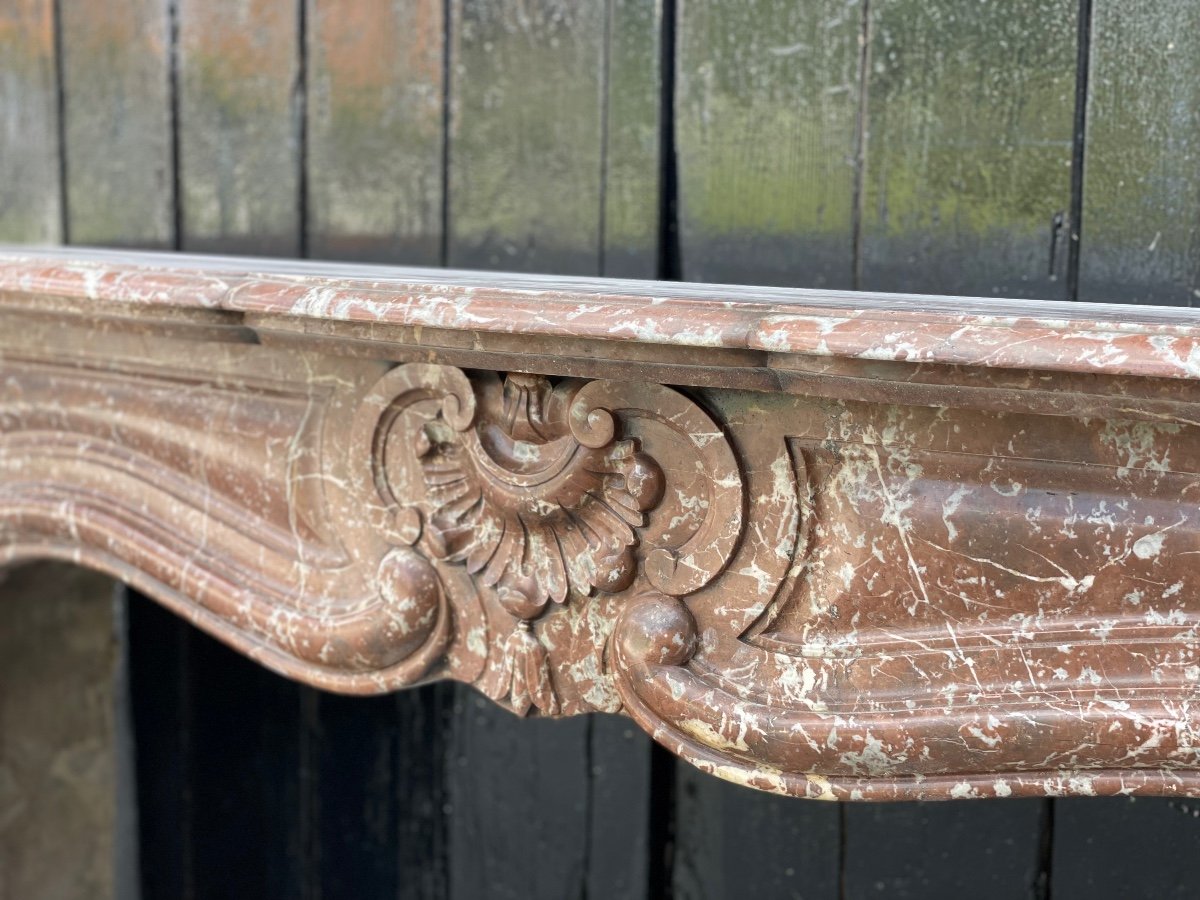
column 849, row 546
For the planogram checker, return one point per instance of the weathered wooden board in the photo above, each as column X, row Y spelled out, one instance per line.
column 157, row 643
column 1114, row 848
column 632, row 169
column 30, row 189
column 250, row 820
column 518, row 804
column 526, row 128
column 57, row 749
column 117, row 122
column 249, row 756
column 766, row 106
column 375, row 188
column 969, row 119
column 1140, row 240
column 240, row 126
column 914, row 850
column 375, row 126
column 766, row 116
column 729, row 842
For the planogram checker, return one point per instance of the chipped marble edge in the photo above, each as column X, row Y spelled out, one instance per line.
column 1137, row 341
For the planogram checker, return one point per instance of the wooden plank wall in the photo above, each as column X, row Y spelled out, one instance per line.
column 1036, row 148
column 59, row 833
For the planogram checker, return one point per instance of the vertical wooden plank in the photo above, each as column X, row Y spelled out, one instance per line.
column 1139, row 243
column 248, row 823
column 420, row 792
column 380, row 795
column 116, row 135
column 735, row 842
column 1125, row 847
column 550, row 809
column 970, row 118
column 518, row 804
column 157, row 644
column 619, row 840
column 918, row 850
column 57, row 761
column 117, row 122
column 967, row 187
column 526, row 141
column 1140, row 240
column 240, row 111
column 355, row 805
column 375, row 130
column 766, row 119
column 30, row 195
column 632, row 140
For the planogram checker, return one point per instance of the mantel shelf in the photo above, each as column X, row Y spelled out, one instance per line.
column 834, row 545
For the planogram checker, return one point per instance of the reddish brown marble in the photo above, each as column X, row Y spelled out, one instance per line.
column 831, row 545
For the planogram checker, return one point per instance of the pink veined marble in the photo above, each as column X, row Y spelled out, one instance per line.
column 834, row 545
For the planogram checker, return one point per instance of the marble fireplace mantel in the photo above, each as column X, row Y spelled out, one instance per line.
column 834, row 545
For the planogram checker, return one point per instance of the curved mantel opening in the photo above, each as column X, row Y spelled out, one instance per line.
column 827, row 544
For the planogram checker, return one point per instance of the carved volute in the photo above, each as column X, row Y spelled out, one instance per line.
column 541, row 491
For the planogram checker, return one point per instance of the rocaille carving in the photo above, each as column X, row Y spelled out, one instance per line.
column 534, row 489
column 540, row 497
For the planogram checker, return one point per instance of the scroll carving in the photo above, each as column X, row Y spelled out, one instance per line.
column 800, row 553
column 536, row 490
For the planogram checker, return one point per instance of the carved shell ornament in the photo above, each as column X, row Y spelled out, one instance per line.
column 533, row 487
column 527, row 504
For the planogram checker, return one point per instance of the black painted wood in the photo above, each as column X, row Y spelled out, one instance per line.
column 251, row 786
column 621, row 843
column 1140, row 238
column 969, row 117
column 420, row 795
column 157, row 661
column 1125, row 848
column 923, row 850
column 378, row 795
column 767, row 104
column 518, row 805
column 249, row 820
column 734, row 842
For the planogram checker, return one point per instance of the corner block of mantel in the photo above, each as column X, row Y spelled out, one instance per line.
column 839, row 546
